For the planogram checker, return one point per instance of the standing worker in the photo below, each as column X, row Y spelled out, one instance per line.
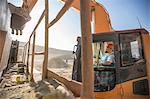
column 76, row 73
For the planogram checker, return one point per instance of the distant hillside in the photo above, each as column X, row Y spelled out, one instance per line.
column 60, row 61
column 63, row 54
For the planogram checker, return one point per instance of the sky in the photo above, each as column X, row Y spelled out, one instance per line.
column 124, row 14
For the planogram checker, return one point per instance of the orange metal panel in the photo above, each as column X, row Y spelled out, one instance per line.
column 121, row 91
column 146, row 41
column 101, row 19
column 113, row 94
column 127, row 90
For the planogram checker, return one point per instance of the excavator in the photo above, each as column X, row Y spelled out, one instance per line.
column 128, row 77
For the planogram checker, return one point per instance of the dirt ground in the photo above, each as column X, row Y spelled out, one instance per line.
column 39, row 90
column 56, row 65
column 47, row 89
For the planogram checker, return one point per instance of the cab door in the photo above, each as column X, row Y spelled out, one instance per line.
column 132, row 75
column 105, row 85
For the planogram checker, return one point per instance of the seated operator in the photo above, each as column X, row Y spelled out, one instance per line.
column 108, row 59
column 105, row 80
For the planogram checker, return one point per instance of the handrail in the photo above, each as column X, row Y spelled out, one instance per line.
column 33, row 51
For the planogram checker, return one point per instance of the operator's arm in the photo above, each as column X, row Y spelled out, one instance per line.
column 109, row 60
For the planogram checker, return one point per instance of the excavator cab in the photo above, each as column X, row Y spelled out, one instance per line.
column 126, row 74
column 128, row 55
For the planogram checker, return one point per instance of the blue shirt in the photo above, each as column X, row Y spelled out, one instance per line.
column 108, row 57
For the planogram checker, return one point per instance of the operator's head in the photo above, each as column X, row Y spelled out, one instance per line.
column 109, row 48
column 110, row 45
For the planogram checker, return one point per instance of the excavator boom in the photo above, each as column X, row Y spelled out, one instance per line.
column 101, row 17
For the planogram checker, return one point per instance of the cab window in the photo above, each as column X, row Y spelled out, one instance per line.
column 131, row 48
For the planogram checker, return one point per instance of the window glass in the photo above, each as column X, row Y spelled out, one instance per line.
column 131, row 49
column 135, row 49
column 102, row 53
column 104, row 69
